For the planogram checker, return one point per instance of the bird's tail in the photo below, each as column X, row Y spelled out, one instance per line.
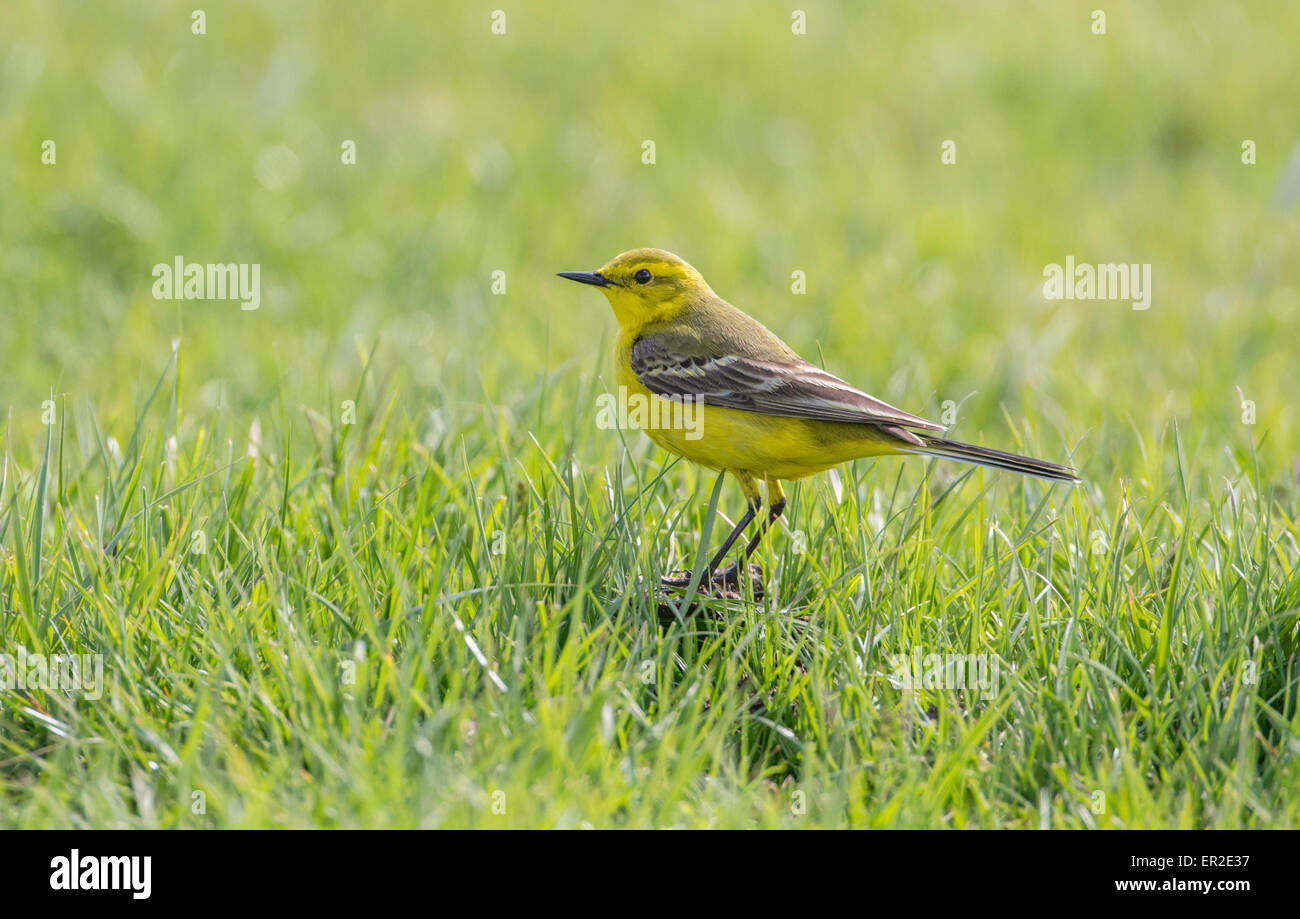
column 995, row 459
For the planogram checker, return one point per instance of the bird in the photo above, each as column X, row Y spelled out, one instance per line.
column 765, row 414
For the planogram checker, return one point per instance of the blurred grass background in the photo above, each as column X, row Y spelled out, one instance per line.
column 775, row 152
column 522, row 153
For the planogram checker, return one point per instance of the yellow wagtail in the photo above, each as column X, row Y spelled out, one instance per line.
column 766, row 412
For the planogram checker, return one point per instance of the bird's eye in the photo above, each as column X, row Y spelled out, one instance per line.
column 642, row 276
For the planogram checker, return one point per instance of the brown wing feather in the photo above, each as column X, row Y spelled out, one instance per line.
column 790, row 387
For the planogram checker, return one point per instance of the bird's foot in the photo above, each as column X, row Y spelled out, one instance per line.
column 725, row 582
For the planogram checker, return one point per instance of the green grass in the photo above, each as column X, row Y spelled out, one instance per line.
column 439, row 615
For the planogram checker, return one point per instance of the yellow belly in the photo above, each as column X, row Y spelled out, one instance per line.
column 763, row 445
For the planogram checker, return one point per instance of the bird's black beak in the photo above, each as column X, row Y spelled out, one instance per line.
column 586, row 277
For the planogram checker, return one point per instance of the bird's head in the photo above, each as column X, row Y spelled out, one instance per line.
column 645, row 285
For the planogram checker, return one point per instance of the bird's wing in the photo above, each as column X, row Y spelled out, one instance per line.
column 676, row 366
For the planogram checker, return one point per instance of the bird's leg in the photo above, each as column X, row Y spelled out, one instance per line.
column 750, row 512
column 754, row 501
column 729, row 577
column 776, row 499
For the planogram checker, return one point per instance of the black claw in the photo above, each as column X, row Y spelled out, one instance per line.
column 676, row 580
column 728, row 579
column 723, row 583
